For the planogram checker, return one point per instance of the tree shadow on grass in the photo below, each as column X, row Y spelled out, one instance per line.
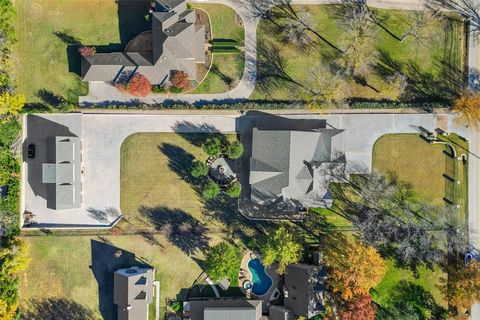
column 197, row 134
column 180, row 162
column 106, row 259
column 225, row 209
column 56, row 308
column 409, row 296
column 180, row 228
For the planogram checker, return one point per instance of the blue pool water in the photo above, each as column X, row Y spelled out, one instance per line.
column 260, row 279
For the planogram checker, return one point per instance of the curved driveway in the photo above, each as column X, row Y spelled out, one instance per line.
column 102, row 93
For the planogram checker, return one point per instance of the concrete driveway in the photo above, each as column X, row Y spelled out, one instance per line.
column 103, row 134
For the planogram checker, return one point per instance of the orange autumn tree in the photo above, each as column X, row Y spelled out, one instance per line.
column 468, row 106
column 180, row 79
column 354, row 268
column 139, row 85
column 360, row 308
column 462, row 286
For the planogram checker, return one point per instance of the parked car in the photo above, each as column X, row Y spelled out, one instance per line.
column 3, row 191
column 31, row 151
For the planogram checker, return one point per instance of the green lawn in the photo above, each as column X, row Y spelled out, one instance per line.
column 428, row 57
column 229, row 67
column 46, row 57
column 427, row 279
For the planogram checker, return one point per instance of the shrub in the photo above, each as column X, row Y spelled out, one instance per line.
column 9, row 131
column 225, row 43
column 234, row 189
column 234, row 150
column 226, row 50
column 87, row 51
column 176, row 90
column 158, row 89
column 200, row 169
column 180, row 79
column 139, row 85
column 213, row 146
column 210, row 190
column 177, row 306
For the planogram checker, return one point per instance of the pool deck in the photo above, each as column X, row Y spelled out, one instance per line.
column 271, row 272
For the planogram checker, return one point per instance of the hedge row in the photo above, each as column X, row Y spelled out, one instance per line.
column 225, row 43
column 398, row 105
column 275, row 105
column 225, row 50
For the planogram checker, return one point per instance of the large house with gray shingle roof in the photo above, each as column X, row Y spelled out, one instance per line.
column 295, row 166
column 176, row 42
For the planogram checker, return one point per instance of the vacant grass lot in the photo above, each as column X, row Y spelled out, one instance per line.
column 49, row 32
column 60, row 268
column 414, row 161
column 419, row 59
column 229, row 67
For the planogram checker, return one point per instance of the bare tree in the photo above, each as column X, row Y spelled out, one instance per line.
column 296, row 30
column 468, row 9
column 325, row 85
column 358, row 38
column 423, row 27
column 394, row 86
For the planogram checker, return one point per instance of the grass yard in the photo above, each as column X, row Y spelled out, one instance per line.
column 418, row 59
column 226, row 68
column 387, row 288
column 414, row 161
column 60, row 268
column 46, row 60
column 423, row 166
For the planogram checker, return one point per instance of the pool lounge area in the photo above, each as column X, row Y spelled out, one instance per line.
column 259, row 281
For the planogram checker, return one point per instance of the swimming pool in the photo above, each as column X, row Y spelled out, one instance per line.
column 260, row 279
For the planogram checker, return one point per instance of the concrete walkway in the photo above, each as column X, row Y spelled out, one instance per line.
column 103, row 134
column 102, row 93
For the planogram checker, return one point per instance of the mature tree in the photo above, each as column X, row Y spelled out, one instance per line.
column 296, row 29
column 14, row 256
column 223, row 260
column 213, row 146
column 234, row 189
column 180, row 79
column 324, row 84
column 281, row 247
column 234, row 150
column 468, row 107
column 86, row 51
column 139, row 85
column 359, row 308
column 423, row 27
column 461, row 287
column 394, row 86
column 354, row 267
column 210, row 190
column 357, row 38
column 200, row 169
column 10, row 105
column 7, row 311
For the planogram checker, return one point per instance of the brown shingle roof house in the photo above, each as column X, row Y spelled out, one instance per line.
column 175, row 42
column 133, row 292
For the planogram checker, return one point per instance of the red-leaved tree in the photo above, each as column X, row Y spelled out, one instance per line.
column 139, row 85
column 87, row 51
column 180, row 79
column 359, row 308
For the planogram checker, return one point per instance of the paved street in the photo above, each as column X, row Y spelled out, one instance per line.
column 103, row 134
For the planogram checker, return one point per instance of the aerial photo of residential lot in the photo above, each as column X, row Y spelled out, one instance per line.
column 239, row 159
